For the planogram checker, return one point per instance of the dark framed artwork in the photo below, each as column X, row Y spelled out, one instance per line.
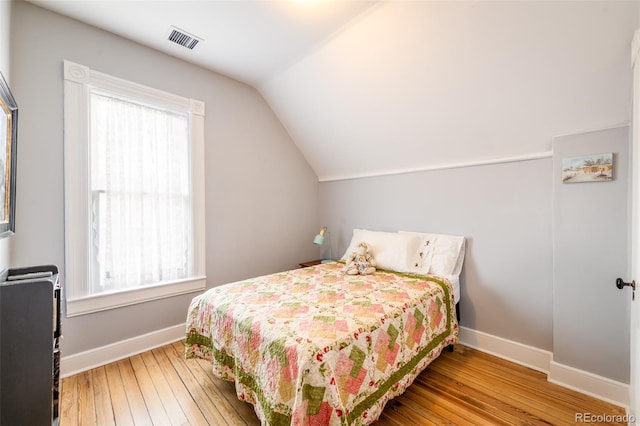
column 8, row 142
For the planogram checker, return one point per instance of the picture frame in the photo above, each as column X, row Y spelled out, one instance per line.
column 588, row 168
column 8, row 145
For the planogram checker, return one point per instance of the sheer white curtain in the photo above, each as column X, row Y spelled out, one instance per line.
column 141, row 209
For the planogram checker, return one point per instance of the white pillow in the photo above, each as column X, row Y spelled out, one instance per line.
column 438, row 254
column 423, row 257
column 390, row 250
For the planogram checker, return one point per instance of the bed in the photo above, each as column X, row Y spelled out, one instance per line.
column 315, row 346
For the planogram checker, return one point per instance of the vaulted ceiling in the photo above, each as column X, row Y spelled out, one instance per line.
column 246, row 40
column 368, row 88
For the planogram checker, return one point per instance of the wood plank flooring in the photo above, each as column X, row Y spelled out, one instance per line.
column 464, row 387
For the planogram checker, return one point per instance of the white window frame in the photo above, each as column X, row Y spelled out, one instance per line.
column 78, row 82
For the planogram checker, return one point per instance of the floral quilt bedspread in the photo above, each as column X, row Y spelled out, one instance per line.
column 314, row 346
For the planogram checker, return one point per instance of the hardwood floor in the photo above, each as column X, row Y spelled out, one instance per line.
column 464, row 387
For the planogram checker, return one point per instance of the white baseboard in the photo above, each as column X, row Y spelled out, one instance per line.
column 519, row 353
column 83, row 361
column 590, row 384
column 579, row 380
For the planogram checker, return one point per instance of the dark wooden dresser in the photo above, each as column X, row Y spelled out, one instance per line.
column 29, row 346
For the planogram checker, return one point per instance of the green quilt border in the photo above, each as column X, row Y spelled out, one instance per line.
column 275, row 418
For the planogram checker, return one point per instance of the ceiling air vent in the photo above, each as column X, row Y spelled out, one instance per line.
column 183, row 38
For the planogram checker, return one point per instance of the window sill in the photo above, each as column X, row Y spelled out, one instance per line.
column 103, row 302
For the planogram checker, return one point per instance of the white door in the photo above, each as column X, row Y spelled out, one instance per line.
column 634, row 409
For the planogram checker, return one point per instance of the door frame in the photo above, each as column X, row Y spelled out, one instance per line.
column 634, row 329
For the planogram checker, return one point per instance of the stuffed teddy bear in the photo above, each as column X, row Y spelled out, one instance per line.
column 360, row 261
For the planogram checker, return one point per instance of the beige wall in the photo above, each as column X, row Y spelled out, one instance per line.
column 261, row 195
column 507, row 92
column 5, row 32
column 584, row 276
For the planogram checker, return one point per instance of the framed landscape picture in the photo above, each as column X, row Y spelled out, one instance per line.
column 588, row 168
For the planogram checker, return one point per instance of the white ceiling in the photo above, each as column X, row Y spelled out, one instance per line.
column 247, row 40
column 368, row 88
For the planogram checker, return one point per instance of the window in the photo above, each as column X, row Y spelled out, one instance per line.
column 134, row 192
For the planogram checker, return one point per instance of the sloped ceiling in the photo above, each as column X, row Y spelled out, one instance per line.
column 419, row 85
column 367, row 88
column 248, row 40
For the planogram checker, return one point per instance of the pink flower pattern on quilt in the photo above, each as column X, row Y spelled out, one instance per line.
column 314, row 346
